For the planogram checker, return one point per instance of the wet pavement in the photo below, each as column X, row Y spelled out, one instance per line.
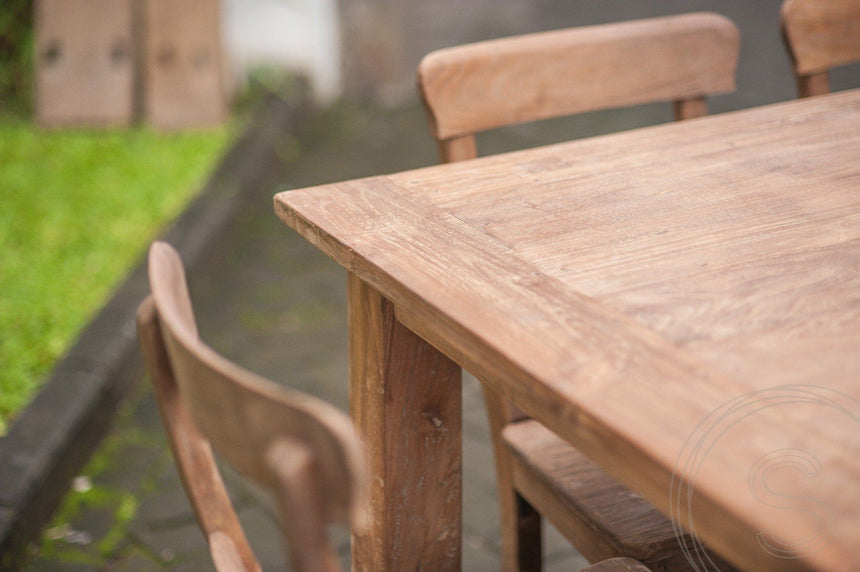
column 270, row 301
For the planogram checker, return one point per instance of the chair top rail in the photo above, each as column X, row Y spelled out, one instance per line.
column 821, row 34
column 472, row 88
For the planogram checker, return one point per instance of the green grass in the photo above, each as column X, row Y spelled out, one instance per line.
column 78, row 209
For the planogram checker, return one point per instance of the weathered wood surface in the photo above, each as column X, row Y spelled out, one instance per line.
column 405, row 398
column 819, row 35
column 183, row 67
column 84, row 60
column 622, row 289
column 302, row 449
column 473, row 88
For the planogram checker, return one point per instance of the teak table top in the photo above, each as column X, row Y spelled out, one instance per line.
column 681, row 302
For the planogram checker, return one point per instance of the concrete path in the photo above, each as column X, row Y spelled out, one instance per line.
column 270, row 301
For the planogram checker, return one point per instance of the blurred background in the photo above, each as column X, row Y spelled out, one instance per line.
column 345, row 48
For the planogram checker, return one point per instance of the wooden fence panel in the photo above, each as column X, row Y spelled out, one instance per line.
column 84, row 54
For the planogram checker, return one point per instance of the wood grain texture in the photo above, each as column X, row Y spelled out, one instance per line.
column 301, row 449
column 84, row 60
column 617, row 228
column 623, row 289
column 183, row 67
column 406, row 400
column 821, row 34
column 481, row 86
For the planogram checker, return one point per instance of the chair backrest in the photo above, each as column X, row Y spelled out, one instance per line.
column 302, row 449
column 476, row 87
column 819, row 35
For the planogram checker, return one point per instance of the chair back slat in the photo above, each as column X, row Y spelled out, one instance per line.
column 256, row 425
column 193, row 455
column 476, row 87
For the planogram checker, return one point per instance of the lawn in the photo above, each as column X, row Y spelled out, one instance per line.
column 78, row 209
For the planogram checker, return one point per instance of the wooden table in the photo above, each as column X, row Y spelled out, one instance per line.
column 680, row 302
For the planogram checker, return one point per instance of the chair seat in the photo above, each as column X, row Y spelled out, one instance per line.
column 597, row 514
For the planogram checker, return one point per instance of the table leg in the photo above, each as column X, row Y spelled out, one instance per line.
column 405, row 398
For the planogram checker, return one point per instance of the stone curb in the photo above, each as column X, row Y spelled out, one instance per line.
column 55, row 435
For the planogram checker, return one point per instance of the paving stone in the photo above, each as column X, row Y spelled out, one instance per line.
column 474, row 408
column 138, row 408
column 567, row 562
column 38, row 564
column 480, row 512
column 136, row 561
column 7, row 522
column 167, row 506
column 554, row 544
column 174, row 545
column 134, row 465
column 265, row 536
column 479, row 556
column 190, row 563
column 478, row 464
column 90, row 528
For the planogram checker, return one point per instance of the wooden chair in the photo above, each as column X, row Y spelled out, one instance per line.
column 473, row 88
column 819, row 35
column 300, row 448
column 482, row 86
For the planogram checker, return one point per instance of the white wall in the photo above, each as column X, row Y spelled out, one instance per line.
column 301, row 35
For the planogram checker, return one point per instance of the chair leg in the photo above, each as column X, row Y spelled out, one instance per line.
column 528, row 552
column 520, row 522
column 813, row 84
